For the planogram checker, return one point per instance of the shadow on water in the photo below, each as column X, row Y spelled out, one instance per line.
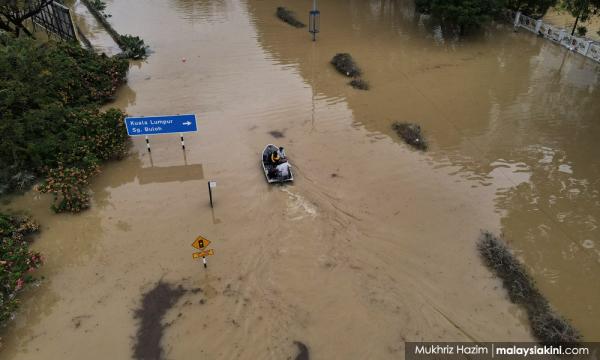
column 502, row 110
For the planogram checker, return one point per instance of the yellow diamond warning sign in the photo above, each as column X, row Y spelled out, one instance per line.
column 200, row 243
column 198, row 255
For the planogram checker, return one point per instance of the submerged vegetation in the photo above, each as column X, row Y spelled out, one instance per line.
column 17, row 262
column 548, row 327
column 344, row 63
column 289, row 17
column 411, row 133
column 52, row 127
column 133, row 47
column 359, row 83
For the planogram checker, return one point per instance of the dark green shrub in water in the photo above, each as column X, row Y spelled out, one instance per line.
column 49, row 106
column 289, row 17
column 345, row 65
column 133, row 47
column 548, row 327
column 359, row 84
column 17, row 262
column 411, row 134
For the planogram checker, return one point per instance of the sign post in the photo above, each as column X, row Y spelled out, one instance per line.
column 156, row 125
column 313, row 21
column 211, row 185
column 201, row 243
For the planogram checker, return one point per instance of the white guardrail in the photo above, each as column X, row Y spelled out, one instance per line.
column 583, row 45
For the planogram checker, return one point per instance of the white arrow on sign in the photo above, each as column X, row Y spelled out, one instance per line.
column 187, row 123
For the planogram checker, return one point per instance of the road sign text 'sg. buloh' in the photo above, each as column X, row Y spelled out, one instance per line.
column 155, row 125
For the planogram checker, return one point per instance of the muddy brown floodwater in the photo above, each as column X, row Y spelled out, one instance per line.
column 374, row 243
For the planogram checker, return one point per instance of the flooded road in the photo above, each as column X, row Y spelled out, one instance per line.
column 373, row 240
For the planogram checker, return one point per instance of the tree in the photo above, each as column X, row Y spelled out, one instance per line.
column 13, row 14
column 533, row 8
column 583, row 10
column 465, row 14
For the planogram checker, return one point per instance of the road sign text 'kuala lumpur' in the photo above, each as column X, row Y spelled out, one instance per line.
column 154, row 125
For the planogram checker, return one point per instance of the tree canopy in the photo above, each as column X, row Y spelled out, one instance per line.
column 533, row 8
column 464, row 14
column 467, row 15
column 582, row 10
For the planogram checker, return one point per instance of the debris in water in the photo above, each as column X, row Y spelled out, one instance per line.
column 302, row 351
column 289, row 17
column 359, row 83
column 548, row 327
column 277, row 134
column 411, row 133
column 155, row 304
column 344, row 63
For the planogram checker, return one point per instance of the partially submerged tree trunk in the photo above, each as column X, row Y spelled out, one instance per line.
column 575, row 25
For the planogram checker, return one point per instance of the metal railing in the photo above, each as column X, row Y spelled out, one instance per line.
column 582, row 45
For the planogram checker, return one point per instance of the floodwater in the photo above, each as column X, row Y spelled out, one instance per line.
column 374, row 243
column 92, row 29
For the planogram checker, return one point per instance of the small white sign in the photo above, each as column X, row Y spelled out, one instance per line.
column 212, row 184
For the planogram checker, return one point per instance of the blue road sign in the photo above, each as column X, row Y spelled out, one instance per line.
column 154, row 125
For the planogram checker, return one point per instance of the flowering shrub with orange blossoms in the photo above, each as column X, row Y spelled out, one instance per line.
column 17, row 262
column 52, row 128
column 69, row 187
column 95, row 137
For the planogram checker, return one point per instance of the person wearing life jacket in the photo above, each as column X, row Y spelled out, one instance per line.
column 275, row 158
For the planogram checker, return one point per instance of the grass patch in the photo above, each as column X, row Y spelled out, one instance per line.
column 547, row 326
column 289, row 17
column 411, row 133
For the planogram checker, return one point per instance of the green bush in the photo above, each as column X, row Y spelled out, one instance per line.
column 50, row 112
column 133, row 47
column 98, row 5
column 17, row 262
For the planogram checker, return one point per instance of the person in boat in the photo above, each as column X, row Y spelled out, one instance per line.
column 281, row 152
column 278, row 156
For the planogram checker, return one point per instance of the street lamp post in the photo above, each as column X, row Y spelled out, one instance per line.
column 313, row 20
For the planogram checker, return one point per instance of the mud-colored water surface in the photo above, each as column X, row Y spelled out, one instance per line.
column 373, row 241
